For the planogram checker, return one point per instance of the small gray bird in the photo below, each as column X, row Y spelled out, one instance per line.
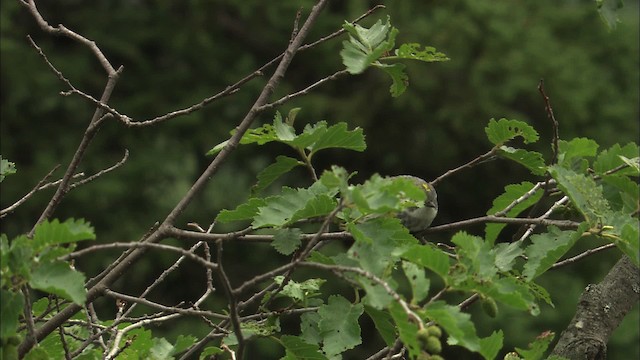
column 417, row 219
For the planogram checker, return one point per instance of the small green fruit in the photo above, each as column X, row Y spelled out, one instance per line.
column 422, row 336
column 490, row 307
column 434, row 331
column 436, row 357
column 433, row 345
column 424, row 356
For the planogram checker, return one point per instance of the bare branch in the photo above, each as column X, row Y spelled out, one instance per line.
column 554, row 122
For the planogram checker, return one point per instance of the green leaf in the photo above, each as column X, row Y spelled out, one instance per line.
column 530, row 159
column 511, row 193
column 577, row 148
column 503, row 130
column 456, row 323
column 399, row 78
column 382, row 195
column 506, row 254
column 547, row 248
column 383, row 323
column 309, row 330
column 293, row 205
column 585, row 195
column 412, row 51
column 491, row 345
column 300, row 292
column 6, row 168
column 183, row 342
column 54, row 233
column 366, row 46
column 609, row 11
column 160, row 349
column 10, row 311
column 244, row 211
column 429, row 257
column 418, row 280
column 622, row 230
column 298, row 349
column 612, row 158
column 286, row 241
column 509, row 291
column 271, row 173
column 407, row 330
column 339, row 326
column 337, row 136
column 538, row 347
column 476, row 254
column 59, row 279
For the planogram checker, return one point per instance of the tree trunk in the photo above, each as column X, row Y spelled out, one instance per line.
column 600, row 310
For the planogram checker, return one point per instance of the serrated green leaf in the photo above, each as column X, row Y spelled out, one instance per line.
column 576, row 148
column 412, row 51
column 286, row 241
column 59, row 279
column 383, row 195
column 611, row 158
column 244, row 211
column 399, row 78
column 10, row 311
column 298, row 349
column 509, row 291
column 161, row 349
column 377, row 296
column 6, row 168
column 379, row 244
column 503, row 130
column 476, row 254
column 293, row 205
column 366, row 46
column 54, row 233
column 622, row 230
column 320, row 258
column 429, row 257
column 609, row 11
column 491, row 345
column 538, row 347
column 456, row 323
column 511, row 193
column 271, row 173
column 337, row 136
column 407, row 330
column 309, row 330
column 418, row 280
column 183, row 342
column 506, row 254
column 585, row 195
column 547, row 248
column 300, row 292
column 339, row 326
column 383, row 323
column 530, row 159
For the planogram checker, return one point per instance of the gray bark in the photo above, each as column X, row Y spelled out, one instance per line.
column 600, row 310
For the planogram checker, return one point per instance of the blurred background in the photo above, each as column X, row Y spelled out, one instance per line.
column 175, row 53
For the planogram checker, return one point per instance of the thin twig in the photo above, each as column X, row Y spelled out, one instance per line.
column 554, row 122
column 4, row 212
column 233, row 302
column 582, row 255
column 491, row 153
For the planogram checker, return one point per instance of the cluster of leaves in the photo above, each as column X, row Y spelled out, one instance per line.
column 600, row 185
column 373, row 47
column 35, row 262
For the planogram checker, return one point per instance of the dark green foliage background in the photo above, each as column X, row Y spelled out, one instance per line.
column 176, row 53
